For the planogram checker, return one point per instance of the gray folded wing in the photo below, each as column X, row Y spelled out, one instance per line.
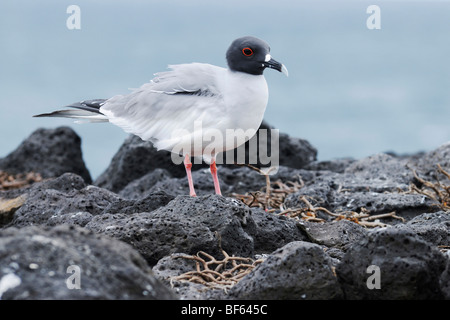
column 170, row 103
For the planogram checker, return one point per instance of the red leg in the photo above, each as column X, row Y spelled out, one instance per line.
column 188, row 166
column 214, row 176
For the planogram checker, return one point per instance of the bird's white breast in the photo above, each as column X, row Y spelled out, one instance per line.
column 245, row 98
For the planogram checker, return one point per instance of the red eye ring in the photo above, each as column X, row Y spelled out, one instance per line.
column 247, row 52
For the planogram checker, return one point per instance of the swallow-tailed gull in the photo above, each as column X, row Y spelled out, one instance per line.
column 190, row 103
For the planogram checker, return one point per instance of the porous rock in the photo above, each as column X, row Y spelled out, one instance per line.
column 298, row 270
column 64, row 195
column 427, row 163
column 186, row 224
column 338, row 234
column 168, row 268
column 445, row 280
column 290, row 152
column 203, row 184
column 44, row 263
column 380, row 172
column 237, row 180
column 50, row 152
column 336, row 165
column 133, row 160
column 409, row 267
column 273, row 231
column 67, row 199
column 432, row 227
column 140, row 187
column 205, row 223
column 376, row 184
column 404, row 205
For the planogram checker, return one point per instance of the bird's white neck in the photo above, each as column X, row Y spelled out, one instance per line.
column 246, row 95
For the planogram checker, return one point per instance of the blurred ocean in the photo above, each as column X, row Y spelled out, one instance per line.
column 351, row 91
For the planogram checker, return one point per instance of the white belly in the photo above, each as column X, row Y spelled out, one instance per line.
column 244, row 100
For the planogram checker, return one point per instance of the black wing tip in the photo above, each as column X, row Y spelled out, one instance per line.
column 57, row 113
column 87, row 105
column 42, row 115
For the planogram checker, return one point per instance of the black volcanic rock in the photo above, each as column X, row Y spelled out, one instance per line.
column 50, row 152
column 68, row 262
column 410, row 268
column 133, row 160
column 139, row 215
column 299, row 270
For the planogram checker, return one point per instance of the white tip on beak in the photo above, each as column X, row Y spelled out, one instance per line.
column 269, row 62
column 284, row 70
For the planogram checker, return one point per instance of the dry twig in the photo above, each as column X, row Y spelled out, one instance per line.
column 272, row 200
column 217, row 273
column 309, row 213
column 436, row 191
column 8, row 181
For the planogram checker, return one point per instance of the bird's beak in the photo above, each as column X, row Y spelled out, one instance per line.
column 269, row 62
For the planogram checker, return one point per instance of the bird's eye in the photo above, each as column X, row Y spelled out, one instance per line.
column 247, row 52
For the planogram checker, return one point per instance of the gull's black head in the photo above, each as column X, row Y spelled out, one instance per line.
column 251, row 55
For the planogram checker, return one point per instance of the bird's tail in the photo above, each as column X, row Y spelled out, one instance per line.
column 84, row 111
